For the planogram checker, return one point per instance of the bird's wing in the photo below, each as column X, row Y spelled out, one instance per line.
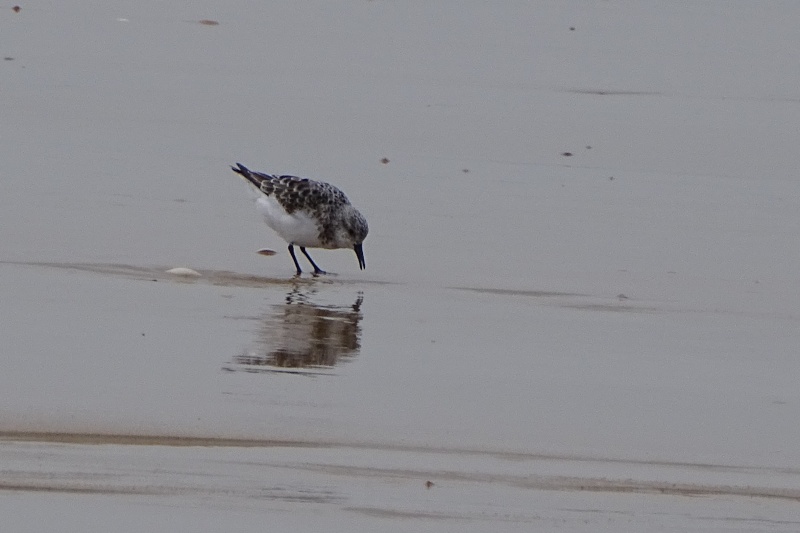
column 292, row 192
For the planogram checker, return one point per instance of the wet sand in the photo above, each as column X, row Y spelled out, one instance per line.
column 266, row 395
column 385, row 486
column 579, row 312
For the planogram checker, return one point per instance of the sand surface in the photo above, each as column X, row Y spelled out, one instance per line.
column 580, row 311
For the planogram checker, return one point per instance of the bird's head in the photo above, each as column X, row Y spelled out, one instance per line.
column 352, row 232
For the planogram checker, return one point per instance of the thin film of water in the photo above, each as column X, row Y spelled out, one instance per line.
column 303, row 335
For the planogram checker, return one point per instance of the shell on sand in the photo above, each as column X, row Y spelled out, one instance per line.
column 266, row 251
column 183, row 271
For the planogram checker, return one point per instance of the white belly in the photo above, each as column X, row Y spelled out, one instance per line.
column 297, row 228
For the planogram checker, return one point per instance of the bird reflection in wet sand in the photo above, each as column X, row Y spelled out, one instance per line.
column 301, row 336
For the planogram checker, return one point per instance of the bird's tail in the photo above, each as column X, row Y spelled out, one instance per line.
column 248, row 175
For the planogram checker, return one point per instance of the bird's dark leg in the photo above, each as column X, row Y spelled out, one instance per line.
column 296, row 264
column 317, row 270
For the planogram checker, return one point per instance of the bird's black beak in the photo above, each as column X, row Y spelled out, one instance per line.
column 360, row 254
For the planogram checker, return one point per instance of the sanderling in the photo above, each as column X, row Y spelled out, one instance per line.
column 307, row 213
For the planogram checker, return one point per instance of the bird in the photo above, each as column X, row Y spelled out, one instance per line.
column 308, row 214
